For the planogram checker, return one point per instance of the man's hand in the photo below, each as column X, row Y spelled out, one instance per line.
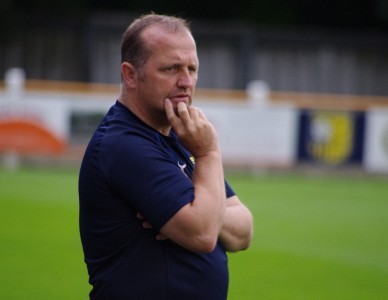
column 194, row 130
column 147, row 225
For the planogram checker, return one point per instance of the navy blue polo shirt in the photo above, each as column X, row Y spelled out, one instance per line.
column 128, row 167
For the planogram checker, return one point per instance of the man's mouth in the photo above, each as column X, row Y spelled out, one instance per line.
column 180, row 98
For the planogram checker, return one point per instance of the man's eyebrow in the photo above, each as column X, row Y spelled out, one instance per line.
column 179, row 65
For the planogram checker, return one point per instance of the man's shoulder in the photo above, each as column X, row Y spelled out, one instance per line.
column 119, row 123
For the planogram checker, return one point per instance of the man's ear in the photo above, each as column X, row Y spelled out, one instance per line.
column 129, row 74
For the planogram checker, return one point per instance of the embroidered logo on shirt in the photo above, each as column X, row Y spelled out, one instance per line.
column 182, row 166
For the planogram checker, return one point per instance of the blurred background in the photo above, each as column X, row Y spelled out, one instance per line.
column 329, row 55
column 298, row 92
column 308, row 46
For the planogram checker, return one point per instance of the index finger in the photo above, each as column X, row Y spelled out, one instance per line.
column 169, row 109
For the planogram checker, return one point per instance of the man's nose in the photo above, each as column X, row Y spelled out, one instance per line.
column 185, row 79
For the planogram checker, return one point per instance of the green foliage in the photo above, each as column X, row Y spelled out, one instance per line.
column 315, row 237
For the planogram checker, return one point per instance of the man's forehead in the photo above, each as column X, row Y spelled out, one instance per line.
column 178, row 45
column 159, row 35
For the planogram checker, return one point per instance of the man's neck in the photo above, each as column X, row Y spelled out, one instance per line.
column 158, row 123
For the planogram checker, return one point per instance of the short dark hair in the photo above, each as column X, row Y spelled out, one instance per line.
column 133, row 48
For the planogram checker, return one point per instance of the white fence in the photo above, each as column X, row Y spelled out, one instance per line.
column 254, row 132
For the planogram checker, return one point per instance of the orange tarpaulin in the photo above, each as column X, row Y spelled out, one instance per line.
column 28, row 137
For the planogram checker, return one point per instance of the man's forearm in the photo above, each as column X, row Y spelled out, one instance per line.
column 237, row 230
column 209, row 189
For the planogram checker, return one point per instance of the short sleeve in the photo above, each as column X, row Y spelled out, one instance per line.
column 144, row 175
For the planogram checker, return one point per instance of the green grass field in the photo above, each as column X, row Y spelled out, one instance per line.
column 316, row 237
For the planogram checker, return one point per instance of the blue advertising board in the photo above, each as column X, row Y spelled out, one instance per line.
column 331, row 137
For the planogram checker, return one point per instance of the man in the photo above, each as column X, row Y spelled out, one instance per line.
column 156, row 215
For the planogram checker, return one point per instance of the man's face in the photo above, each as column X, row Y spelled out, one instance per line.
column 170, row 72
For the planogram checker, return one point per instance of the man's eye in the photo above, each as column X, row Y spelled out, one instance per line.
column 170, row 69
